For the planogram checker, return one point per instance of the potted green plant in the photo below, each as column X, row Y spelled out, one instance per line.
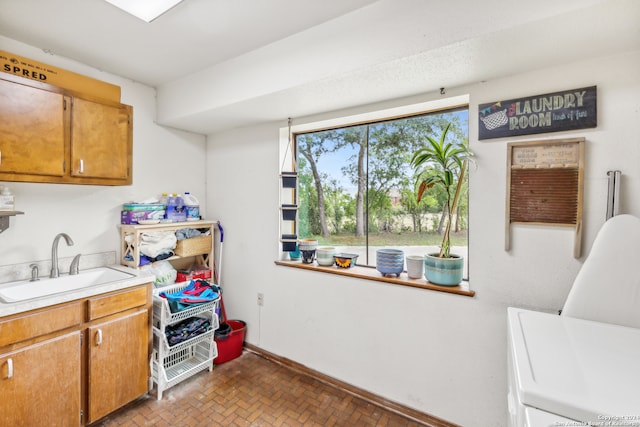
column 444, row 164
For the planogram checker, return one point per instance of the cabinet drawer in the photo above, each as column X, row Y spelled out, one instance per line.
column 40, row 323
column 115, row 303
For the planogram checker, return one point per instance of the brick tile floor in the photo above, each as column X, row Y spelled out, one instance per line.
column 252, row 391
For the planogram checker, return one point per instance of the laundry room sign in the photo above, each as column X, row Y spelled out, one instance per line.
column 551, row 112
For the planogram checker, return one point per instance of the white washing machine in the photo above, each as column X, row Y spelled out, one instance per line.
column 565, row 371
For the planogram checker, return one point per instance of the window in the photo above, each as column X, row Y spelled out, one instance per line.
column 356, row 187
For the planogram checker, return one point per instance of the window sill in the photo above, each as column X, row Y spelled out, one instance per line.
column 369, row 273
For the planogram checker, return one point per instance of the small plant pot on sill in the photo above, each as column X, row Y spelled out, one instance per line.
column 443, row 271
column 289, row 242
column 289, row 179
column 308, row 249
column 344, row 260
column 289, row 212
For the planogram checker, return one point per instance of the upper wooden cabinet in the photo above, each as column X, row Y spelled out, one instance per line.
column 100, row 140
column 48, row 134
column 32, row 130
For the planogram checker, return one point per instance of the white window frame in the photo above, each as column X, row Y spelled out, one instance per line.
column 286, row 149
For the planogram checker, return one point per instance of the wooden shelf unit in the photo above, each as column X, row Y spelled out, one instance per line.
column 197, row 250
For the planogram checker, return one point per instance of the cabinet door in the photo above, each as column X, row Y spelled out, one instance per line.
column 118, row 370
column 100, row 140
column 32, row 130
column 40, row 384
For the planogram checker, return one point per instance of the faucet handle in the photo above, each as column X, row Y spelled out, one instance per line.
column 75, row 265
column 34, row 272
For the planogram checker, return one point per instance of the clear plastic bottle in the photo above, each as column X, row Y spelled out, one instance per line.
column 164, row 201
column 7, row 200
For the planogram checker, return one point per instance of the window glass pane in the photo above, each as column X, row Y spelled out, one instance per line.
column 357, row 188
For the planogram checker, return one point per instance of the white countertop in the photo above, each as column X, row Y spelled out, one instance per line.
column 580, row 369
column 138, row 277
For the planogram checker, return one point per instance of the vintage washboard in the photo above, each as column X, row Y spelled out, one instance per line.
column 544, row 185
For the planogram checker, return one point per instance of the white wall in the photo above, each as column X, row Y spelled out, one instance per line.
column 439, row 353
column 163, row 160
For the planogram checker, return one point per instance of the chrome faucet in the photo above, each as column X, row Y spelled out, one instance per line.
column 55, row 270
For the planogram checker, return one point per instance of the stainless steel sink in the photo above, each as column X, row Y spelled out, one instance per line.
column 23, row 290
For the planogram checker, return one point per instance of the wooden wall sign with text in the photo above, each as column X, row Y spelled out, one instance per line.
column 544, row 185
column 44, row 73
column 552, row 112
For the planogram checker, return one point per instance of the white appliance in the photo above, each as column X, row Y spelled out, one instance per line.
column 565, row 371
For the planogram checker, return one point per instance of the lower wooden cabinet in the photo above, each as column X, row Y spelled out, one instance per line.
column 74, row 363
column 117, row 351
column 40, row 384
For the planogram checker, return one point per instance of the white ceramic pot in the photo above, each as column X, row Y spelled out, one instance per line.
column 324, row 255
column 415, row 266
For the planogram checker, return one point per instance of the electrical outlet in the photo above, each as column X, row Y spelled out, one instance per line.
column 260, row 299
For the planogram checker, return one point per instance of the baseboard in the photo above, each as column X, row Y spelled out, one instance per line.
column 405, row 411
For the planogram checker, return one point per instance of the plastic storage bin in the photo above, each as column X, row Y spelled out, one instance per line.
column 230, row 346
column 162, row 314
column 182, row 361
column 160, row 338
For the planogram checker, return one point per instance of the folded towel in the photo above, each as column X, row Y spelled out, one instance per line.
column 153, row 243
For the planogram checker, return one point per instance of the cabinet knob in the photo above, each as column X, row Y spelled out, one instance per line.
column 99, row 337
column 81, row 166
